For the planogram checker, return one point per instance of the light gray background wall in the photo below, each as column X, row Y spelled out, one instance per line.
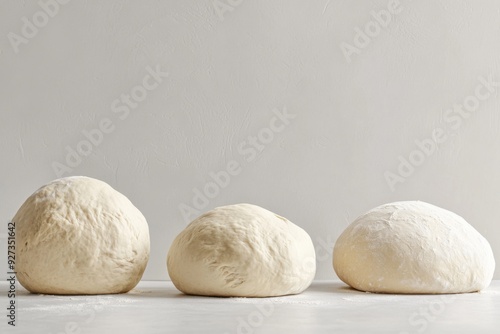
column 230, row 64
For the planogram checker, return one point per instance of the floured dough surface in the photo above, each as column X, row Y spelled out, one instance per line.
column 242, row 250
column 413, row 247
column 77, row 235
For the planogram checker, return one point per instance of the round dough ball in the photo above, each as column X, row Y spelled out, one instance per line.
column 241, row 251
column 77, row 235
column 413, row 247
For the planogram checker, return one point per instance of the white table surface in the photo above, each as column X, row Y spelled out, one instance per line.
column 326, row 307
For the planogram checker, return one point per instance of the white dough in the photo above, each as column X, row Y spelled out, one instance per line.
column 413, row 247
column 241, row 250
column 77, row 235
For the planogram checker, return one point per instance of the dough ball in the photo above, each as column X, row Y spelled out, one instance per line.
column 241, row 251
column 413, row 247
column 77, row 235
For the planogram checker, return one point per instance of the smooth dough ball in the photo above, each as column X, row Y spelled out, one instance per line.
column 77, row 235
column 241, row 251
column 413, row 247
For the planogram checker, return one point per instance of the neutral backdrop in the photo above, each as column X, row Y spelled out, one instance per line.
column 355, row 108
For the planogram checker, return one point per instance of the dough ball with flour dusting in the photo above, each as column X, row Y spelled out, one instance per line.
column 77, row 235
column 413, row 247
column 241, row 250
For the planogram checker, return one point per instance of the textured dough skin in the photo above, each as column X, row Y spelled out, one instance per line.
column 413, row 247
column 77, row 235
column 241, row 250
